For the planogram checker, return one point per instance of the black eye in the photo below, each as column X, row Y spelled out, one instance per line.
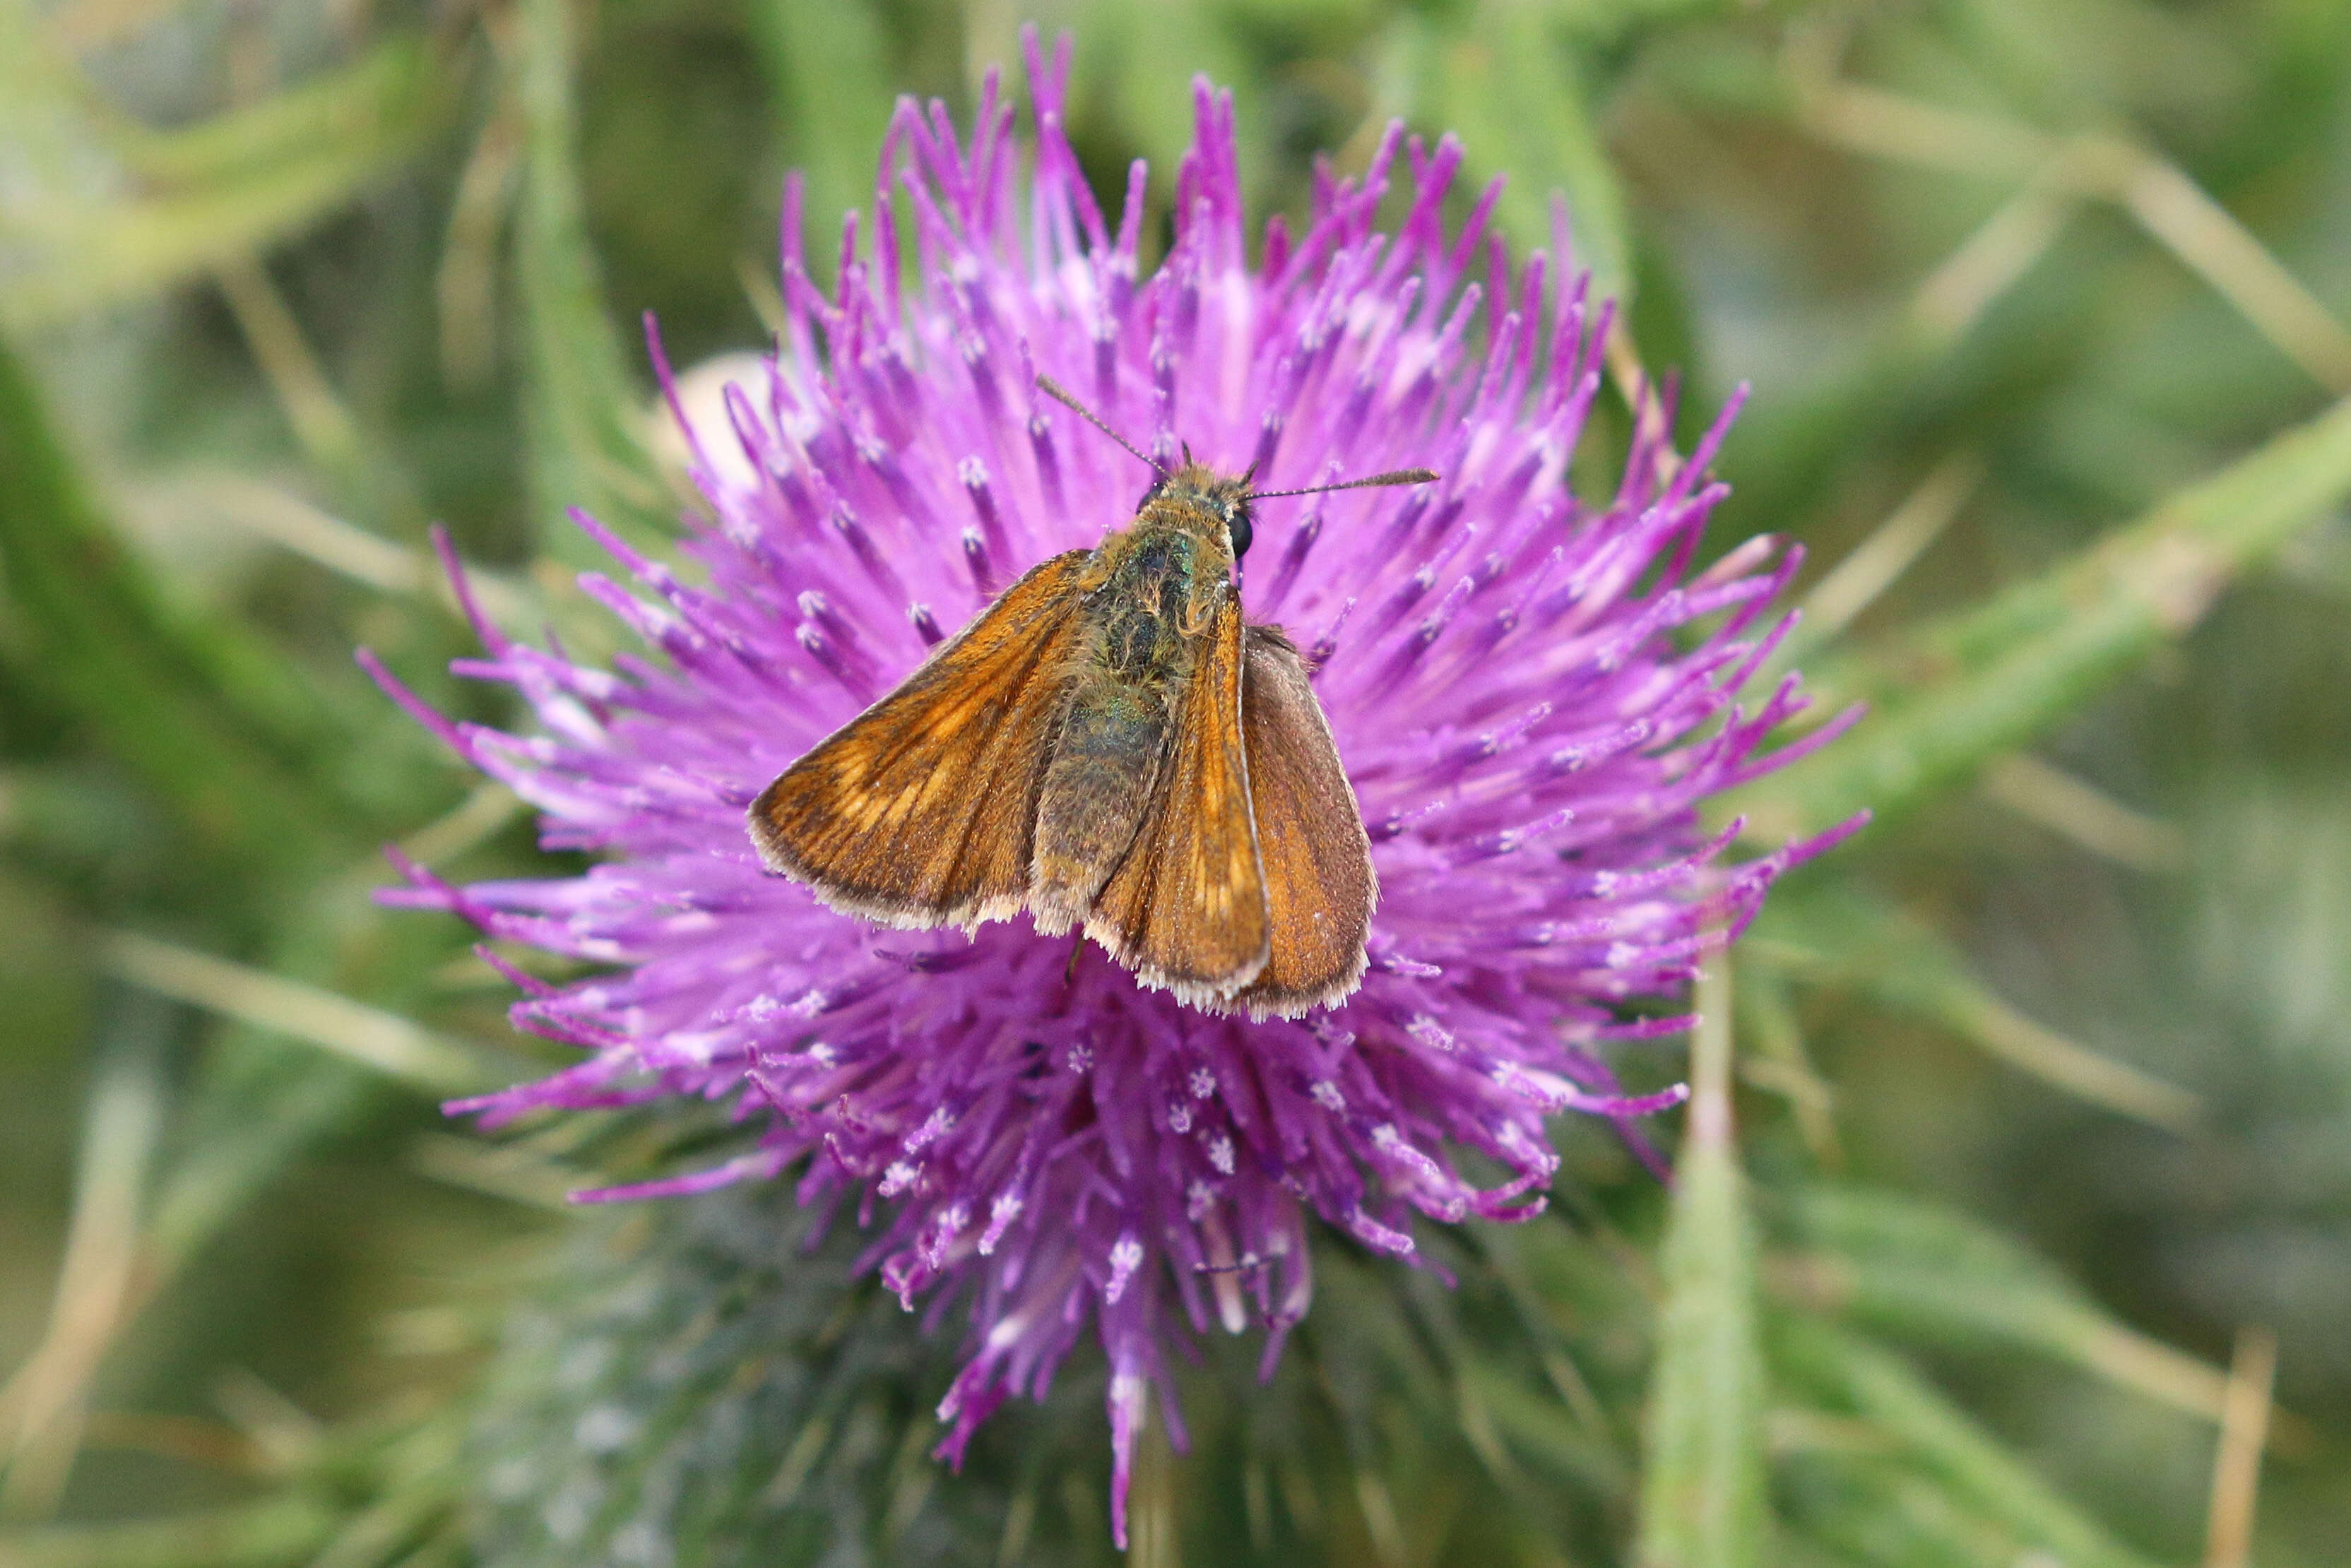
column 1237, row 523
column 1151, row 495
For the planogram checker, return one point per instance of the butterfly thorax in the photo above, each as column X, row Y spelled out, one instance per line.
column 1156, row 586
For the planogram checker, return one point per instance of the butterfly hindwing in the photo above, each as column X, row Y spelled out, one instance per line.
column 922, row 810
column 1319, row 885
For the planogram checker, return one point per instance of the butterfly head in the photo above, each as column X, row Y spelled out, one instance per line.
column 1194, row 496
column 1197, row 497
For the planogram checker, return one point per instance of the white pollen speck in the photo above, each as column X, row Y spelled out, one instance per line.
column 1429, row 1032
column 1000, row 1215
column 1326, row 1095
column 935, row 1126
column 1220, row 1154
column 1126, row 1257
column 1204, row 1083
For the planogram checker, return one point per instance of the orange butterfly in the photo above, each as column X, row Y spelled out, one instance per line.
column 1107, row 746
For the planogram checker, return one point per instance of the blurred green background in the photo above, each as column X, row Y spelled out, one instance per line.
column 2043, row 1173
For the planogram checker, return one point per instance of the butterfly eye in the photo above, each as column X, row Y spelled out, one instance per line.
column 1236, row 524
column 1157, row 488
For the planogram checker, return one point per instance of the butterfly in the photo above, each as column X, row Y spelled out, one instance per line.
column 1109, row 746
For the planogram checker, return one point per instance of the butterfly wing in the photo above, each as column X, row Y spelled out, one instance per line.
column 1319, row 885
column 922, row 810
column 1185, row 909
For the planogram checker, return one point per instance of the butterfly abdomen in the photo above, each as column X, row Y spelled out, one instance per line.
column 1116, row 725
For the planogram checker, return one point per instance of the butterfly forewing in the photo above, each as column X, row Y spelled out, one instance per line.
column 1187, row 907
column 1319, row 886
column 922, row 810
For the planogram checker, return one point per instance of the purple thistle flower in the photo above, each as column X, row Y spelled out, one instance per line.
column 1523, row 687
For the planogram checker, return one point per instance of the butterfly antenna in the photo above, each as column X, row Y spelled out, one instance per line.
column 1062, row 395
column 1394, row 476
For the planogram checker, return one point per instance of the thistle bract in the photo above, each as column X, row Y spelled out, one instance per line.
column 1531, row 693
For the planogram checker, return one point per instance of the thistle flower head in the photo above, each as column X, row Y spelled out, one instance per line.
column 1531, row 692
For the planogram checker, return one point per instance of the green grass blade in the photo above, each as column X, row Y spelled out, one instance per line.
column 1702, row 1490
column 222, row 190
column 263, row 1095
column 1521, row 103
column 580, row 401
column 1844, row 933
column 831, row 80
column 1533, row 1424
column 280, row 1529
column 1946, row 1442
column 374, row 1037
column 1875, row 1509
column 1961, row 692
column 211, row 722
column 381, row 91
column 1933, row 1277
column 1150, row 54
